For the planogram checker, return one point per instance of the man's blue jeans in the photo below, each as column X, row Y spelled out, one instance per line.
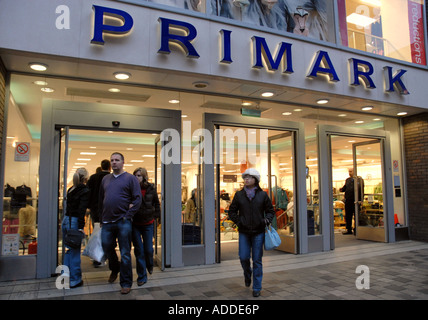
column 122, row 231
column 252, row 245
column 142, row 238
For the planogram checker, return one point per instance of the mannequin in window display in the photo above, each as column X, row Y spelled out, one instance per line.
column 251, row 210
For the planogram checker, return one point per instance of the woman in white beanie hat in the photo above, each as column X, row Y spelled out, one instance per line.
column 251, row 210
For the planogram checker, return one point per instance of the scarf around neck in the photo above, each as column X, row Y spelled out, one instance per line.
column 250, row 192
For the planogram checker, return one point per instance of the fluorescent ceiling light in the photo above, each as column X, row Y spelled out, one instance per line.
column 89, row 153
column 360, row 20
column 114, row 90
column 401, row 113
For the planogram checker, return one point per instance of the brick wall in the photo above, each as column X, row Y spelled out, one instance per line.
column 2, row 102
column 416, row 151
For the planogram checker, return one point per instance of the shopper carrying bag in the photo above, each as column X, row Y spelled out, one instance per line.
column 251, row 210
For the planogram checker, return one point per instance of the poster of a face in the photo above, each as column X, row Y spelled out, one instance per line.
column 304, row 17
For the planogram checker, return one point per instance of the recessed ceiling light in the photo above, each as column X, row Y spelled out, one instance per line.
column 401, row 113
column 184, row 115
column 47, row 89
column 322, row 101
column 376, row 119
column 122, row 75
column 359, row 121
column 36, row 66
column 267, row 94
column 286, row 113
column 174, row 101
column 40, row 83
column 367, row 108
column 114, row 90
column 246, row 103
column 342, row 115
column 200, row 84
column 298, row 110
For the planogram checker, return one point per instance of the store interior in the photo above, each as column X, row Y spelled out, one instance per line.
column 87, row 148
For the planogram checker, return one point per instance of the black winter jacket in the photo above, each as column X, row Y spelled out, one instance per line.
column 250, row 216
column 77, row 202
column 150, row 207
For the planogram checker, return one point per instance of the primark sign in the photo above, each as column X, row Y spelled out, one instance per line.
column 183, row 34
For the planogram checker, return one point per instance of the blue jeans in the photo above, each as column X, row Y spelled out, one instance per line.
column 142, row 238
column 122, row 231
column 72, row 255
column 252, row 245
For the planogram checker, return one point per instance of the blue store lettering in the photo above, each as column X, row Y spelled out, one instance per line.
column 360, row 71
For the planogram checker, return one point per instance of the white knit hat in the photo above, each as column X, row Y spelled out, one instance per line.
column 252, row 172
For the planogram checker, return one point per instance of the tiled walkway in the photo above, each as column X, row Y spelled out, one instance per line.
column 395, row 271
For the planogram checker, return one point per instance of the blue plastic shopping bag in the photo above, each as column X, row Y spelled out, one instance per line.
column 272, row 239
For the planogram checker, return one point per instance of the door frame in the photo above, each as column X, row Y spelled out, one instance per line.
column 324, row 132
column 210, row 122
column 97, row 116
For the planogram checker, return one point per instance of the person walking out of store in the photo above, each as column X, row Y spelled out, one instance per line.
column 251, row 210
column 348, row 188
column 120, row 199
column 77, row 202
column 143, row 224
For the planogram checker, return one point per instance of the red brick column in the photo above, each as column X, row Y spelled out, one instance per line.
column 416, row 150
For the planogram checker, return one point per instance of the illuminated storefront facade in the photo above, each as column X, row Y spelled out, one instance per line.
column 197, row 92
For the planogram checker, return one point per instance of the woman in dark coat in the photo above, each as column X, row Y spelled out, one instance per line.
column 251, row 210
column 77, row 202
column 143, row 226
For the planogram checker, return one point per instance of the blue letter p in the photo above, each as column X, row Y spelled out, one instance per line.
column 100, row 27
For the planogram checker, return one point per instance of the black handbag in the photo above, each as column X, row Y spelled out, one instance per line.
column 72, row 237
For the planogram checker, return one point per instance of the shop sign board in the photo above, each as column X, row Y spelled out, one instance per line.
column 183, row 34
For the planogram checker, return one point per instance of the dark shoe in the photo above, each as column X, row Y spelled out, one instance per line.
column 150, row 270
column 140, row 283
column 256, row 293
column 347, row 232
column 113, row 277
column 77, row 285
column 125, row 290
column 247, row 282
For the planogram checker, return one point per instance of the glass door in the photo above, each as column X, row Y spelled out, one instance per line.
column 281, row 179
column 159, row 249
column 368, row 190
column 62, row 187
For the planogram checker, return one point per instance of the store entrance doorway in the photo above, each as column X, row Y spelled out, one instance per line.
column 276, row 150
column 359, row 186
column 86, row 148
column 69, row 128
column 357, row 189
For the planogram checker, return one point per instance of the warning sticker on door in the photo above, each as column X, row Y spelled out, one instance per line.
column 22, row 151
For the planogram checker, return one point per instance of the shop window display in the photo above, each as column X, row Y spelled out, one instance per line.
column 382, row 28
column 19, row 221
